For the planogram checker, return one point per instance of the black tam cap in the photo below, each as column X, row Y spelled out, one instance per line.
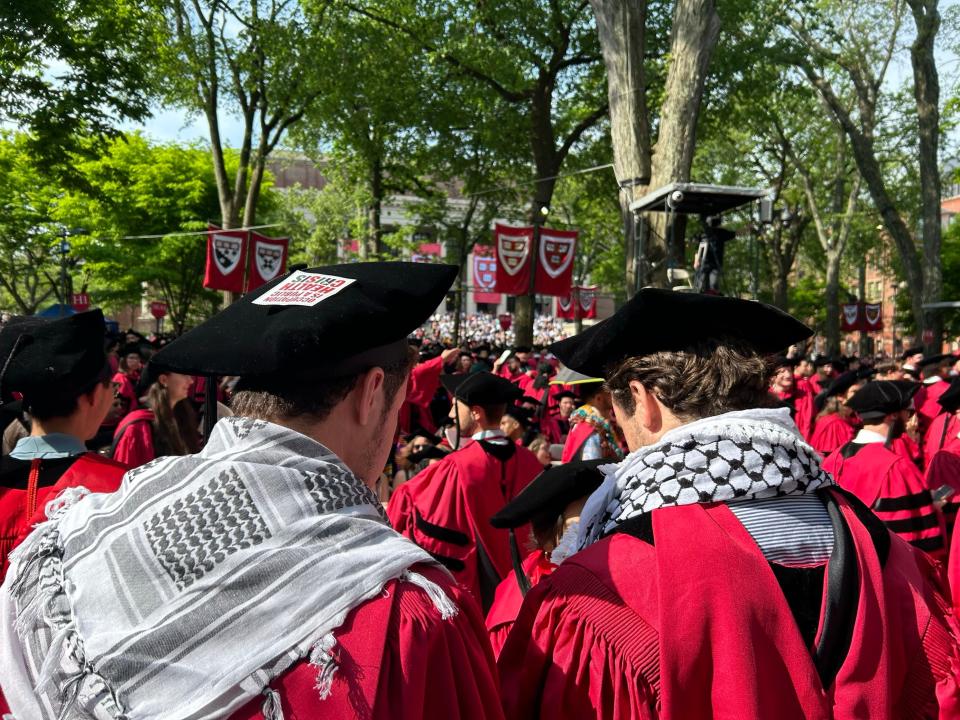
column 663, row 320
column 936, row 360
column 879, row 398
column 325, row 322
column 916, row 350
column 482, row 388
column 782, row 361
column 565, row 394
column 839, row 385
column 59, row 357
column 550, row 492
column 521, row 414
column 950, row 399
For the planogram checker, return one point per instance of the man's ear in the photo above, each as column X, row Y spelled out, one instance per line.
column 368, row 396
column 648, row 412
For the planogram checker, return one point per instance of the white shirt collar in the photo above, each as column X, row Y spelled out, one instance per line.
column 932, row 379
column 487, row 434
column 865, row 437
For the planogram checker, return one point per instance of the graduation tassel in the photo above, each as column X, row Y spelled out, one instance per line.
column 209, row 407
column 522, row 580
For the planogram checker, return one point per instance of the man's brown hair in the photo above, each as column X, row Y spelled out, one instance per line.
column 278, row 398
column 710, row 378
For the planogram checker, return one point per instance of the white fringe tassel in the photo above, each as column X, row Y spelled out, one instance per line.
column 271, row 709
column 322, row 657
column 444, row 604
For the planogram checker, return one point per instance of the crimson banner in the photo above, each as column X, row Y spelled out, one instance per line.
column 567, row 306
column 484, row 276
column 555, row 261
column 850, row 317
column 226, row 259
column 873, row 317
column 512, row 258
column 588, row 302
column 268, row 260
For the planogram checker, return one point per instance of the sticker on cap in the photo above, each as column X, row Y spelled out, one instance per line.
column 304, row 289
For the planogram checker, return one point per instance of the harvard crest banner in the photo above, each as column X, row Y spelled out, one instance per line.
column 512, row 258
column 226, row 259
column 555, row 261
column 268, row 260
column 485, row 276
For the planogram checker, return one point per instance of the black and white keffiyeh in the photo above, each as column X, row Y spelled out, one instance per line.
column 750, row 454
column 202, row 578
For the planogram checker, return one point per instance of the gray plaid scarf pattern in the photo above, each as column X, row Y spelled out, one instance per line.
column 185, row 592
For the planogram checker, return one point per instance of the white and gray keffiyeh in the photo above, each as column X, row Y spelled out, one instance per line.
column 743, row 455
column 202, row 578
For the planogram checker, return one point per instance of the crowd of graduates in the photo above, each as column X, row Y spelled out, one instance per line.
column 672, row 514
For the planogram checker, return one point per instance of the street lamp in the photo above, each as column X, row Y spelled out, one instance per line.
column 63, row 248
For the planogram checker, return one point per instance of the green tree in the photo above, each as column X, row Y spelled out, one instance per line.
column 73, row 69
column 154, row 190
column 537, row 60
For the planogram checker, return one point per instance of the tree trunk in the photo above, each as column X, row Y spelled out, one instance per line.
column 831, row 330
column 696, row 29
column 376, row 206
column 926, row 90
column 864, row 350
column 621, row 27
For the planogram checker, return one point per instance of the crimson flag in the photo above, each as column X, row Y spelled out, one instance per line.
column 513, row 258
column 567, row 306
column 268, row 260
column 226, row 259
column 850, row 317
column 484, row 276
column 587, row 302
column 873, row 317
column 555, row 261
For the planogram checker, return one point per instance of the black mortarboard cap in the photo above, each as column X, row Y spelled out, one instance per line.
column 552, row 490
column 521, row 414
column 482, row 388
column 663, row 320
column 428, row 453
column 523, row 349
column 130, row 349
column 779, row 361
column 325, row 322
column 916, row 350
column 882, row 397
column 62, row 357
column 950, row 399
column 417, row 431
column 565, row 394
column 936, row 359
column 840, row 384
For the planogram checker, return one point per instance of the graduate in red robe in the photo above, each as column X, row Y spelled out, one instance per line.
column 592, row 435
column 424, row 382
column 934, row 371
column 297, row 569
column 835, row 424
column 67, row 403
column 795, row 395
column 446, row 508
column 882, row 479
column 715, row 581
column 551, row 505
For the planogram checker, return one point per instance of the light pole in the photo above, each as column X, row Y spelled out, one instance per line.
column 63, row 248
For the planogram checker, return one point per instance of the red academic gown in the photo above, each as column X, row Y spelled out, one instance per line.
column 424, row 381
column 944, row 432
column 27, row 485
column 397, row 658
column 894, row 489
column 579, row 434
column 831, row 432
column 446, row 509
column 133, row 439
column 927, row 403
column 943, row 468
column 800, row 399
column 626, row 629
column 126, row 389
column 508, row 599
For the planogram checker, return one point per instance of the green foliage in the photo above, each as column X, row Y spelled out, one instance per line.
column 951, row 276
column 71, row 69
